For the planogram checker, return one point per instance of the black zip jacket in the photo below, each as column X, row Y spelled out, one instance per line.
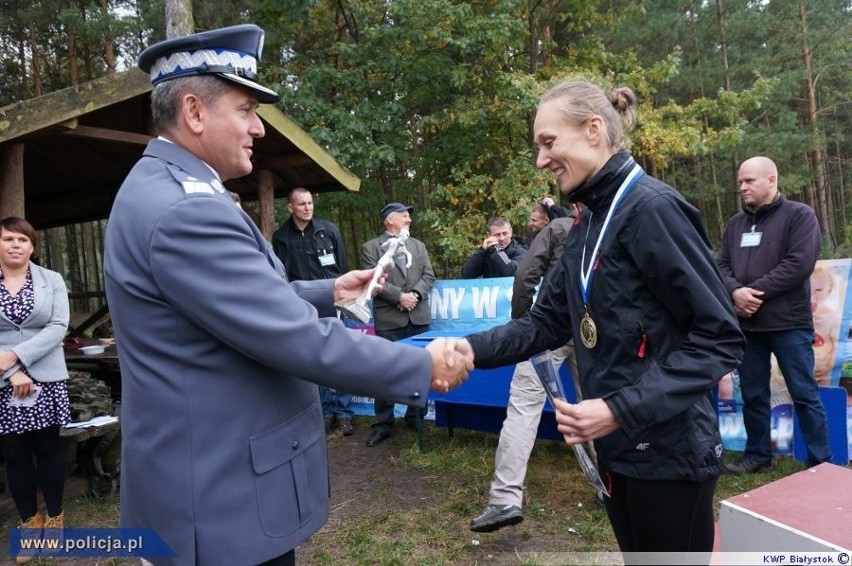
column 667, row 332
column 780, row 266
column 492, row 263
column 300, row 251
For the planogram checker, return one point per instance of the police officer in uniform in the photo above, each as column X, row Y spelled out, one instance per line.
column 224, row 455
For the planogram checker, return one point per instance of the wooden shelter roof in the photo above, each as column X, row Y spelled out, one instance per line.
column 80, row 143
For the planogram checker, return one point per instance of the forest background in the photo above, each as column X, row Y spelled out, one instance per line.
column 431, row 102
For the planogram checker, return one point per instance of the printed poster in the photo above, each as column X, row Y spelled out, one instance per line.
column 830, row 294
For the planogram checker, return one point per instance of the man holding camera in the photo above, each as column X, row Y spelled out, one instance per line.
column 499, row 254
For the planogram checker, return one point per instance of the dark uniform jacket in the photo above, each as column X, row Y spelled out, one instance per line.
column 666, row 328
column 301, row 250
column 780, row 266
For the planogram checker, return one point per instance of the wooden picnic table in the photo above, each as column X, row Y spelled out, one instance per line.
column 107, row 361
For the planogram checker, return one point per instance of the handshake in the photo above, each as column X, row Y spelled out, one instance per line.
column 452, row 361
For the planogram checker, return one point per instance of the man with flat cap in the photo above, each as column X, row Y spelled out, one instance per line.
column 401, row 309
column 224, row 454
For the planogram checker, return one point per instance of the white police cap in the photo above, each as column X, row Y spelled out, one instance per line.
column 231, row 53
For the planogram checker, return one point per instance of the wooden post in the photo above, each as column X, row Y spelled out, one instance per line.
column 266, row 197
column 12, row 180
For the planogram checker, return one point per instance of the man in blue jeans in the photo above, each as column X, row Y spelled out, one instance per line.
column 768, row 253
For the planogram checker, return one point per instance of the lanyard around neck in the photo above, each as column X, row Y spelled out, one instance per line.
column 586, row 273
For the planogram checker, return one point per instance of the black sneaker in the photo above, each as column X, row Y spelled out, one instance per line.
column 747, row 465
column 495, row 517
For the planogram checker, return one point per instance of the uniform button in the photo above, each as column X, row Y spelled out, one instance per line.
column 296, row 444
column 416, row 395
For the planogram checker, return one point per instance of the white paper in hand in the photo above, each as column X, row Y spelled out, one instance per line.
column 27, row 401
column 543, row 365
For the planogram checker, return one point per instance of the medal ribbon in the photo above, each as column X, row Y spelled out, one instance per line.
column 586, row 274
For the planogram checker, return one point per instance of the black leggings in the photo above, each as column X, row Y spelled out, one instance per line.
column 25, row 476
column 661, row 516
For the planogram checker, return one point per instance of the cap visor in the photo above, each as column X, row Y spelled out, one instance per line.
column 264, row 95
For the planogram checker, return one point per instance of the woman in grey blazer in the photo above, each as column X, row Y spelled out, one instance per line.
column 33, row 397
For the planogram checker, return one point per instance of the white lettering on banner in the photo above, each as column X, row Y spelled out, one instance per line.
column 444, row 299
column 730, row 426
column 485, row 301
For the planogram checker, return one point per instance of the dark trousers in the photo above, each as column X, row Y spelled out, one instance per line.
column 382, row 407
column 25, row 477
column 288, row 559
column 662, row 515
column 795, row 354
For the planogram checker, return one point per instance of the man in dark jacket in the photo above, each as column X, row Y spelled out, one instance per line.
column 768, row 253
column 526, row 393
column 312, row 248
column 538, row 220
column 499, row 254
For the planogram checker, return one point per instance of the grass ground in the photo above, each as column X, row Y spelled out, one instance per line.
column 394, row 504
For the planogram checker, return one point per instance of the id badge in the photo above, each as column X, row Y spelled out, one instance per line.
column 326, row 260
column 750, row 239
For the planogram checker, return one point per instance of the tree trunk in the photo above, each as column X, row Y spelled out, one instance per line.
column 841, row 194
column 74, row 277
column 90, row 263
column 36, row 56
column 22, row 60
column 178, row 18
column 73, row 70
column 109, row 43
column 825, row 217
column 723, row 42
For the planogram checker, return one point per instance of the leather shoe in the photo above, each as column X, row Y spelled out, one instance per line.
column 377, row 437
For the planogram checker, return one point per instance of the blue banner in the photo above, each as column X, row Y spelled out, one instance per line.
column 470, row 305
column 464, row 306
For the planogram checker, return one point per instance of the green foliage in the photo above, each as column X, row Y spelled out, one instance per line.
column 431, row 101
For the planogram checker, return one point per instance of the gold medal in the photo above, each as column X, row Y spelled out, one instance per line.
column 588, row 331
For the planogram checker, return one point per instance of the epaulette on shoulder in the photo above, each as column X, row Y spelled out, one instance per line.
column 192, row 185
